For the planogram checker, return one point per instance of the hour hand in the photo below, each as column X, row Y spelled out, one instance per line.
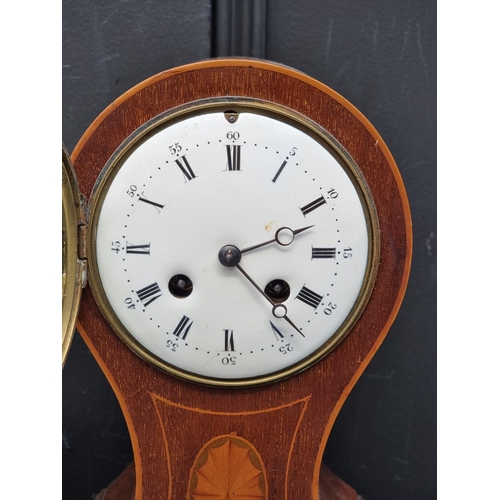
column 284, row 236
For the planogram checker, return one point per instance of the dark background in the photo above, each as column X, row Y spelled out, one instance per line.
column 381, row 56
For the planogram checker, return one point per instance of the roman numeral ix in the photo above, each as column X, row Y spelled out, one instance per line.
column 138, row 249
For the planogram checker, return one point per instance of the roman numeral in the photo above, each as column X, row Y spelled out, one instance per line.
column 277, row 333
column 186, row 169
column 233, row 157
column 323, row 253
column 158, row 206
column 149, row 293
column 313, row 205
column 182, row 329
column 138, row 249
column 309, row 297
column 228, row 340
column 278, row 173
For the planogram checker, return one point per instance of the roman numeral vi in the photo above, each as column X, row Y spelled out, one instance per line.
column 228, row 340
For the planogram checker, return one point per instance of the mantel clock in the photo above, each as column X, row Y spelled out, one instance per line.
column 247, row 240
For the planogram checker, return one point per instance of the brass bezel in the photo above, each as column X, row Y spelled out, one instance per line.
column 264, row 107
column 71, row 265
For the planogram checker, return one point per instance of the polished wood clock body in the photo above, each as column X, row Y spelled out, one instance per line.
column 284, row 426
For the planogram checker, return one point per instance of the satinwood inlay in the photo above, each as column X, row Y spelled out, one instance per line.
column 228, row 467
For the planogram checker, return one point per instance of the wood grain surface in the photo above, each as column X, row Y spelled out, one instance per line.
column 331, row 487
column 288, row 422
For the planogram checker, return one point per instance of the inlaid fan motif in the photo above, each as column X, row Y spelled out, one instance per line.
column 228, row 468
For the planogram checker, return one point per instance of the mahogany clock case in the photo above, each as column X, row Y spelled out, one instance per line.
column 95, row 441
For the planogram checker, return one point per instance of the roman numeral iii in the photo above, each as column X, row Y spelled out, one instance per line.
column 323, row 253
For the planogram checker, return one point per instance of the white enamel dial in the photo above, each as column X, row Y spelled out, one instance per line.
column 176, row 215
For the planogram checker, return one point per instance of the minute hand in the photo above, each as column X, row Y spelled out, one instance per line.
column 284, row 236
column 279, row 310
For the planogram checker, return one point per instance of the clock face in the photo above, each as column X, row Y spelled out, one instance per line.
column 233, row 242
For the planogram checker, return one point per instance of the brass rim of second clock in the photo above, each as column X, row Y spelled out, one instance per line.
column 230, row 105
